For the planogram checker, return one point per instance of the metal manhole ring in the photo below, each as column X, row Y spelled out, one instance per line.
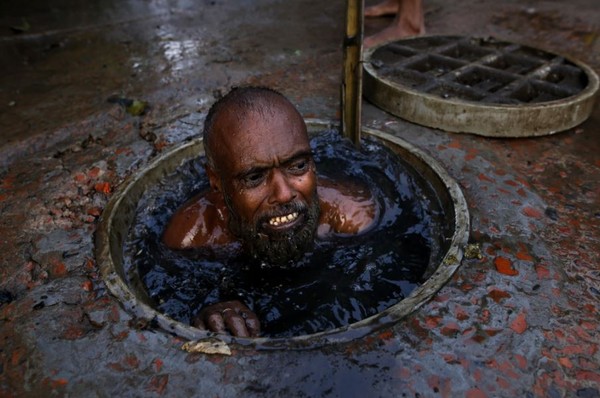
column 479, row 85
column 119, row 214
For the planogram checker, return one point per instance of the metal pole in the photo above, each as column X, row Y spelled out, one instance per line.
column 352, row 73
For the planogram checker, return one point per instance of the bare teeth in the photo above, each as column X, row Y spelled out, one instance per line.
column 276, row 221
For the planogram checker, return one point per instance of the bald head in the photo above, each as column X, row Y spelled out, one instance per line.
column 260, row 162
column 227, row 116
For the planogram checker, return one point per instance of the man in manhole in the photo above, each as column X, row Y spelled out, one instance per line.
column 264, row 194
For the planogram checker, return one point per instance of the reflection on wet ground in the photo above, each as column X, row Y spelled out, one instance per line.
column 520, row 321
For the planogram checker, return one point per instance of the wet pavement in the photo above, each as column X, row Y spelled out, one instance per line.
column 520, row 321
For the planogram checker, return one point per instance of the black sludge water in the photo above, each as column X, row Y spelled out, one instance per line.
column 341, row 281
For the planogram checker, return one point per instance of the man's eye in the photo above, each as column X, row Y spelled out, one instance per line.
column 253, row 179
column 299, row 167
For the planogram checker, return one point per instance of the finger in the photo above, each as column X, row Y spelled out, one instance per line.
column 215, row 323
column 235, row 323
column 253, row 325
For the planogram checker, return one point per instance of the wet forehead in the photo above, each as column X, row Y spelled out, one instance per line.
column 261, row 139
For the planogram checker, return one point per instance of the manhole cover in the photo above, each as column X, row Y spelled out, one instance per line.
column 443, row 193
column 480, row 86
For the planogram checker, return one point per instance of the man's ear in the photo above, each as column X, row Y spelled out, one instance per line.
column 213, row 178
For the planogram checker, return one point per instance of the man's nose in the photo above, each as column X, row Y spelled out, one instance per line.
column 281, row 189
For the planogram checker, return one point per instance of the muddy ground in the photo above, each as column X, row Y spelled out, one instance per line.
column 520, row 321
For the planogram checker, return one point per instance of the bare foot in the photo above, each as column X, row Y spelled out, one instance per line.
column 386, row 7
column 390, row 33
column 396, row 31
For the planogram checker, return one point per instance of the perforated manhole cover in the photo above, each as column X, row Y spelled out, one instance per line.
column 480, row 86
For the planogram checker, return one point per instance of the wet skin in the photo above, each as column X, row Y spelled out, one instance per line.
column 203, row 220
column 263, row 163
column 408, row 21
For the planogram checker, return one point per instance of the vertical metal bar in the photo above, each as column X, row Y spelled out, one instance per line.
column 352, row 73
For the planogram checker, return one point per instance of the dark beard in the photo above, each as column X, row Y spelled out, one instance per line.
column 281, row 248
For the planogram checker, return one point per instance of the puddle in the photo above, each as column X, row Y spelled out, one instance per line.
column 344, row 289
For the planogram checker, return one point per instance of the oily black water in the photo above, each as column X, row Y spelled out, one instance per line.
column 341, row 281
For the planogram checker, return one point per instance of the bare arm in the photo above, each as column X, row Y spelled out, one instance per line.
column 347, row 208
column 200, row 222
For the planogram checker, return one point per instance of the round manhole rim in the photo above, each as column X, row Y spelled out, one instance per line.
column 485, row 119
column 116, row 282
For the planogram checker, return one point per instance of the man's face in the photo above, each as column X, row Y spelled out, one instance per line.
column 268, row 180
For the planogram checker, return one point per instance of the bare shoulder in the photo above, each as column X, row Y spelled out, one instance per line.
column 199, row 222
column 347, row 207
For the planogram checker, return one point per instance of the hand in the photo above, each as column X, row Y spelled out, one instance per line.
column 232, row 316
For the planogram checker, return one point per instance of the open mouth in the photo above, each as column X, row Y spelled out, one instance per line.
column 283, row 220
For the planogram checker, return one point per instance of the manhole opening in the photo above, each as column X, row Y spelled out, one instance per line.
column 125, row 282
column 481, row 86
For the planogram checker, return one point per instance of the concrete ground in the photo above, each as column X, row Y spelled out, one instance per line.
column 520, row 322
